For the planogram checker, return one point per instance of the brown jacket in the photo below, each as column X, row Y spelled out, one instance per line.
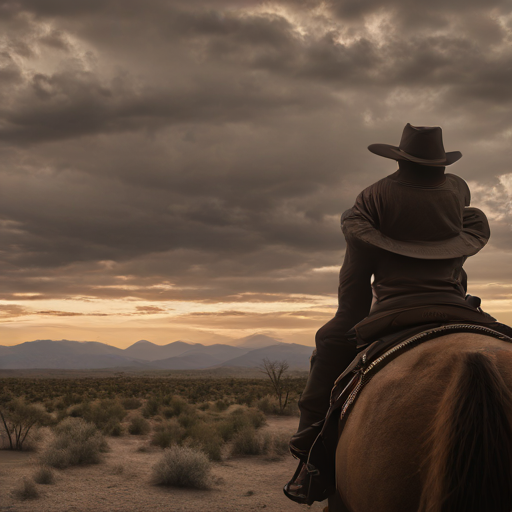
column 396, row 233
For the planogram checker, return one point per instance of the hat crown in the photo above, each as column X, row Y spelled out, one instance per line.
column 424, row 142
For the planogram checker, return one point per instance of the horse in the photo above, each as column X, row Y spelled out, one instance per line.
column 431, row 432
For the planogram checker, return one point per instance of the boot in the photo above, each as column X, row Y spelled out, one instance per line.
column 297, row 488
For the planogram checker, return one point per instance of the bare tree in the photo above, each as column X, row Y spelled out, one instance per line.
column 17, row 418
column 275, row 370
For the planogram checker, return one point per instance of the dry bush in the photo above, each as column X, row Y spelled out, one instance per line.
column 188, row 418
column 207, row 439
column 26, row 490
column 131, row 403
column 139, row 426
column 181, row 466
column 276, row 446
column 44, row 475
column 168, row 433
column 106, row 414
column 269, row 405
column 238, row 420
column 176, row 406
column 221, row 405
column 152, row 407
column 247, row 442
column 113, row 428
column 75, row 442
column 79, row 410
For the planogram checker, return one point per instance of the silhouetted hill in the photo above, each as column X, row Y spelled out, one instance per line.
column 65, row 354
column 255, row 341
column 296, row 355
column 75, row 355
column 152, row 352
column 200, row 356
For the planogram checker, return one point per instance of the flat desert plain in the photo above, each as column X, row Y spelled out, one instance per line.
column 122, row 482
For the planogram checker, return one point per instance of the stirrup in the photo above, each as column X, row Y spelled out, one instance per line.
column 299, row 496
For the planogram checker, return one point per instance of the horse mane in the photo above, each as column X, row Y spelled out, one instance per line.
column 470, row 463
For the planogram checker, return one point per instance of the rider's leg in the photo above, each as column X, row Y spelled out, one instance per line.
column 334, row 352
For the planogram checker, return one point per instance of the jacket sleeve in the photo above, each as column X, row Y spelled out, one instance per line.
column 355, row 290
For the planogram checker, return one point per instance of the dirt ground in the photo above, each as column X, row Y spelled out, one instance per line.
column 122, row 483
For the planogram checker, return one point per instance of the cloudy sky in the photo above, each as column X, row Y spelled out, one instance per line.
column 177, row 169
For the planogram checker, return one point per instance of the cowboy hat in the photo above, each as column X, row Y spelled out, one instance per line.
column 420, row 144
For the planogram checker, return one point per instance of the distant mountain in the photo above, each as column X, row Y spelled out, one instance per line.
column 65, row 354
column 201, row 356
column 79, row 355
column 219, row 351
column 148, row 351
column 256, row 341
column 4, row 350
column 297, row 356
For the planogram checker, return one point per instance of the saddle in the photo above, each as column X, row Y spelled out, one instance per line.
column 321, row 459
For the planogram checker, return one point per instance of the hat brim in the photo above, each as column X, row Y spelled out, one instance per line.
column 395, row 153
column 473, row 237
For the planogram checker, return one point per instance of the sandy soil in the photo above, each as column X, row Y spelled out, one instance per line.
column 122, row 483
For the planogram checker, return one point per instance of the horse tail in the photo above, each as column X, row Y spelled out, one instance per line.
column 470, row 464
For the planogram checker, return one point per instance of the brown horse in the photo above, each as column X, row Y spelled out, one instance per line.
column 432, row 432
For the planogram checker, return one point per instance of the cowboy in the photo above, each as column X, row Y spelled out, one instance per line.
column 412, row 232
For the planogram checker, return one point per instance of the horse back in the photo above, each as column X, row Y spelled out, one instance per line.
column 382, row 455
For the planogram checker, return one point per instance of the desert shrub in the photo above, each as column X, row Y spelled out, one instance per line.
column 131, row 403
column 276, row 446
column 176, row 406
column 221, row 405
column 207, row 439
column 181, row 466
column 60, row 404
column 49, row 405
column 226, row 429
column 238, row 420
column 113, row 428
column 151, row 407
column 44, row 475
column 66, row 392
column 167, row 433
column 139, row 426
column 26, row 490
column 188, row 419
column 247, row 442
column 268, row 405
column 75, row 442
column 243, row 417
column 105, row 414
column 79, row 410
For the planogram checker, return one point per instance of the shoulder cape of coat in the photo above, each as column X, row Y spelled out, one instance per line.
column 418, row 221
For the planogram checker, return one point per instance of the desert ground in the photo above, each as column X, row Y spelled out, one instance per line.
column 122, row 483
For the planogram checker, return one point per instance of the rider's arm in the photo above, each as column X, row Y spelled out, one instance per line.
column 355, row 290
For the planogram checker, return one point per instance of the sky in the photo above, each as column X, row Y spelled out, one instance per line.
column 177, row 169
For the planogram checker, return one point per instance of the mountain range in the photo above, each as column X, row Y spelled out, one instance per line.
column 178, row 355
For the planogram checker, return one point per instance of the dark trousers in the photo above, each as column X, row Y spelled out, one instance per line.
column 334, row 352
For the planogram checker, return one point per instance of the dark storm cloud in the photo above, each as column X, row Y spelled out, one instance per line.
column 226, row 50
column 213, row 145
